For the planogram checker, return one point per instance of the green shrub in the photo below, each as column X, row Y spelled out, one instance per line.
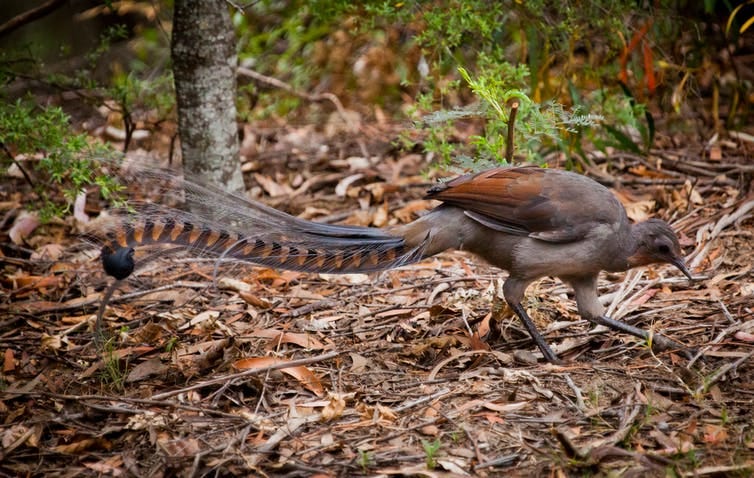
column 65, row 161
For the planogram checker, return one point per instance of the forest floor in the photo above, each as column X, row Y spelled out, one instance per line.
column 418, row 371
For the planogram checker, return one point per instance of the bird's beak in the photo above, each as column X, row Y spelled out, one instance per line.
column 681, row 265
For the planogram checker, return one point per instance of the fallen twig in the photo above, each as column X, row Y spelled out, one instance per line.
column 307, row 96
column 247, row 373
column 720, row 373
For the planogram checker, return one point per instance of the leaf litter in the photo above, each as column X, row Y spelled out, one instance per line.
column 257, row 371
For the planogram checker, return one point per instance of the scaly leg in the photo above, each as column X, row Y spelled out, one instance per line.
column 513, row 290
column 535, row 335
column 659, row 342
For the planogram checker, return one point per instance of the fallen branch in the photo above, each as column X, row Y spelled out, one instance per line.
column 30, row 15
column 286, row 87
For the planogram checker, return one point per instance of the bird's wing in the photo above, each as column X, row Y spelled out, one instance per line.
column 546, row 204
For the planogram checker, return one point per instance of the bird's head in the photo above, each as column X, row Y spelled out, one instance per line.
column 657, row 243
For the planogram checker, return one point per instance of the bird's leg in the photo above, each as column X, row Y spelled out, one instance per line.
column 547, row 352
column 513, row 290
column 99, row 336
column 590, row 309
column 658, row 341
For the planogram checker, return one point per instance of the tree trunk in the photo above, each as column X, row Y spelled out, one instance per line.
column 204, row 68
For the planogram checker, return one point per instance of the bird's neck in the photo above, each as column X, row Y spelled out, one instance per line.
column 634, row 257
column 627, row 241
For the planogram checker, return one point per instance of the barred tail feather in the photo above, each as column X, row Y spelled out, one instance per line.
column 231, row 226
column 304, row 246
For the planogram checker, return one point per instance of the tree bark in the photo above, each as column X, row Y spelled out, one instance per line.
column 204, row 68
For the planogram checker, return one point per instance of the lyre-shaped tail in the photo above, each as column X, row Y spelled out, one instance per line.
column 296, row 245
column 231, row 226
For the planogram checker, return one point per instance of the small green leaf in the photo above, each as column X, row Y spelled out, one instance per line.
column 624, row 141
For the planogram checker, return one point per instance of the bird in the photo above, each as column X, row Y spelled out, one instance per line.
column 530, row 221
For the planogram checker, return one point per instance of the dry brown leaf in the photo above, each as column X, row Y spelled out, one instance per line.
column 716, row 393
column 493, row 418
column 335, row 407
column 80, row 446
column 664, row 440
column 146, row 420
column 454, row 467
column 254, row 300
column 23, row 280
column 187, row 447
column 439, row 289
column 415, row 470
column 746, row 288
column 150, row 333
column 645, row 297
column 477, row 343
column 51, row 252
column 645, row 172
column 441, row 342
column 386, row 413
column 9, row 361
column 692, row 193
column 146, row 369
column 306, row 341
column 432, row 411
column 277, row 278
column 51, row 342
column 300, row 373
column 75, row 319
column 715, row 153
column 110, row 466
column 377, row 190
column 200, row 318
column 13, row 434
column 359, row 363
column 638, row 207
column 412, row 209
column 10, row 205
column 657, row 401
column 301, row 292
column 484, row 326
column 714, row 434
column 312, row 212
column 119, row 355
column 430, row 430
column 640, row 210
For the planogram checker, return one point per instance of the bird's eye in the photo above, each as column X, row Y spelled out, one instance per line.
column 664, row 249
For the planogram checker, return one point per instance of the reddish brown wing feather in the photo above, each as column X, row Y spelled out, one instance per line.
column 543, row 203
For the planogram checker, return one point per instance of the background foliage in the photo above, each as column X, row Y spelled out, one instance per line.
column 589, row 76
